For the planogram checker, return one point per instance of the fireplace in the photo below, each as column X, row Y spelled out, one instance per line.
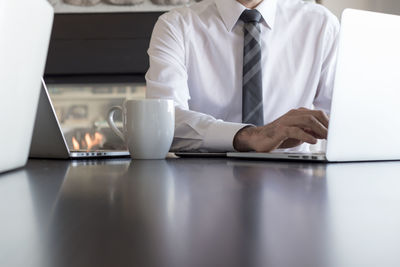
column 97, row 58
column 82, row 112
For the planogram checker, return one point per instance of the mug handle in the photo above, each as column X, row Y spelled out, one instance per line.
column 111, row 123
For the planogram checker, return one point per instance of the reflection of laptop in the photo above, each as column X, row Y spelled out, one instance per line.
column 48, row 140
column 25, row 27
column 364, row 123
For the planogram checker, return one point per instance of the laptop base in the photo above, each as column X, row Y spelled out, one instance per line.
column 298, row 156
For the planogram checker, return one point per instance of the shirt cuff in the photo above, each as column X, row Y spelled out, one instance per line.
column 220, row 134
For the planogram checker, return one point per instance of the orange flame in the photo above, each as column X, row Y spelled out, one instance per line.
column 88, row 142
column 91, row 142
column 75, row 143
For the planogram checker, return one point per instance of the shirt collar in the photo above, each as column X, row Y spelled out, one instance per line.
column 230, row 11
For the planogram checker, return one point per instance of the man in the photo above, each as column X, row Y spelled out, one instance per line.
column 245, row 75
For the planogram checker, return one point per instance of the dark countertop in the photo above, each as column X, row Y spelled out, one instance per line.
column 200, row 212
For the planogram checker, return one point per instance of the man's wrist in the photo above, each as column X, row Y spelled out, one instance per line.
column 241, row 139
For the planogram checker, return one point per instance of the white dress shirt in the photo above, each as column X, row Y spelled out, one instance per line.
column 196, row 57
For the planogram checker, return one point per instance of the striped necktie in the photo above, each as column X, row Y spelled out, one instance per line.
column 252, row 103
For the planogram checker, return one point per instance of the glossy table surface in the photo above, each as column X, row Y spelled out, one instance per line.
column 200, row 212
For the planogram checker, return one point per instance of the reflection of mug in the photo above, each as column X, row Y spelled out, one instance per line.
column 148, row 127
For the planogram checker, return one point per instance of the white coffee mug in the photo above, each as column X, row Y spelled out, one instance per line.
column 148, row 126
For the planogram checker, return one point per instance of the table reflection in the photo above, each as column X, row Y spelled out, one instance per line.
column 364, row 208
column 26, row 201
column 182, row 213
column 282, row 210
column 200, row 212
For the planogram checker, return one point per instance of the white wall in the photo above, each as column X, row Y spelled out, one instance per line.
column 387, row 6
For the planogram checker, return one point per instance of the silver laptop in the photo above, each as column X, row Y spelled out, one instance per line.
column 25, row 28
column 365, row 113
column 48, row 139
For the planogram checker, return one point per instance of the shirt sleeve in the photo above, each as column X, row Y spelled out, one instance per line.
column 323, row 97
column 167, row 78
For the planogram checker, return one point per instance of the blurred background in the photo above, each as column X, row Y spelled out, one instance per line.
column 98, row 57
column 387, row 6
column 94, row 6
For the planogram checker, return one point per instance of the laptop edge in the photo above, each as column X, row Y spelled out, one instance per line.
column 48, row 140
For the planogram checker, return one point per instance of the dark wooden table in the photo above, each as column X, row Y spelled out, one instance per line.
column 200, row 212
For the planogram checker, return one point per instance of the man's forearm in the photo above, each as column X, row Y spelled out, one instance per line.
column 198, row 131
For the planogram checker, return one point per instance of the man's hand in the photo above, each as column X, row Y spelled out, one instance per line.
column 292, row 129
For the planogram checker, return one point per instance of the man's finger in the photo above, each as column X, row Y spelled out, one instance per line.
column 321, row 116
column 308, row 122
column 318, row 114
column 299, row 134
column 269, row 144
column 309, row 131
